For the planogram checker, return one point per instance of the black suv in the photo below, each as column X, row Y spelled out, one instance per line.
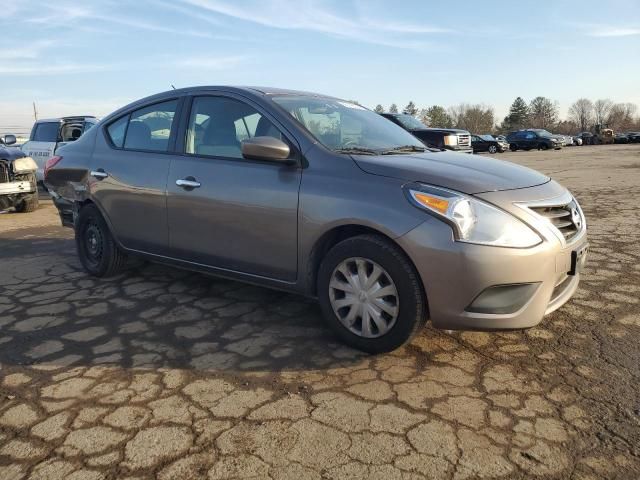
column 488, row 143
column 449, row 138
column 533, row 138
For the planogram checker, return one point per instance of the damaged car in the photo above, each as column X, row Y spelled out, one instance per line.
column 18, row 188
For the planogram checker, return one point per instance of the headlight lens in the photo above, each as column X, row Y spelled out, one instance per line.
column 24, row 165
column 451, row 140
column 472, row 220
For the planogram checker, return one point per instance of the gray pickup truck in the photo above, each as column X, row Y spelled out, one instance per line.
column 18, row 188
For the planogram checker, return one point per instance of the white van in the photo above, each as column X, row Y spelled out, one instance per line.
column 47, row 135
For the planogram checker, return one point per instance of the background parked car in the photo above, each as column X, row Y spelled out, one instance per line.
column 487, row 143
column 634, row 137
column 530, row 139
column 18, row 187
column 449, row 138
column 47, row 135
column 586, row 137
column 577, row 141
column 621, row 138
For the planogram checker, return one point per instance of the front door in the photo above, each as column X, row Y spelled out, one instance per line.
column 226, row 211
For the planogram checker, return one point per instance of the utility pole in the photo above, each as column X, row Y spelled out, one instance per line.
column 35, row 112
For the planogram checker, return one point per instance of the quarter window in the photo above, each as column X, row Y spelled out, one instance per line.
column 218, row 125
column 117, row 130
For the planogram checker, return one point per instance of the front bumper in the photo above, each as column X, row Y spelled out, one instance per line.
column 455, row 274
column 12, row 188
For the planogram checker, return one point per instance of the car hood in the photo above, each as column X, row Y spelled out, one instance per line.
column 462, row 172
column 10, row 153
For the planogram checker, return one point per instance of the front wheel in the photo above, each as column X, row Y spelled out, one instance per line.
column 28, row 203
column 543, row 146
column 371, row 294
column 99, row 254
column 493, row 149
column 513, row 147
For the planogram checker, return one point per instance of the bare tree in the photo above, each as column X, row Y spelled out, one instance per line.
column 601, row 109
column 474, row 118
column 543, row 113
column 581, row 112
column 621, row 116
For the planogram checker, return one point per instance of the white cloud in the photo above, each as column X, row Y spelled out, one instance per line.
column 608, row 31
column 209, row 62
column 309, row 15
column 39, row 69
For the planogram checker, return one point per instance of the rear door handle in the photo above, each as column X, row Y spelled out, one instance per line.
column 99, row 174
column 188, row 183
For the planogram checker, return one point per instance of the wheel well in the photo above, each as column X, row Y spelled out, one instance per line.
column 331, row 238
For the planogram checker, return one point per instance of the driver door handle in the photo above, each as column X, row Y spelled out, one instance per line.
column 188, row 183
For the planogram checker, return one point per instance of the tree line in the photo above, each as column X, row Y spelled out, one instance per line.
column 541, row 112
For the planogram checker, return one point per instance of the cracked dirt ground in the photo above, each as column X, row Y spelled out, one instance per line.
column 160, row 373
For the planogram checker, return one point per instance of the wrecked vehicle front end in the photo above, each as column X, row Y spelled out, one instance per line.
column 18, row 188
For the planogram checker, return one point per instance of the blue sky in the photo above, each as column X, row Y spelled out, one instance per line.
column 91, row 57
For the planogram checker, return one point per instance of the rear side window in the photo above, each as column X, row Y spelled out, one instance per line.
column 150, row 127
column 46, row 132
column 117, row 130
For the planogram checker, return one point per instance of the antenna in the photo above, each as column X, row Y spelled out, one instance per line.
column 173, row 86
column 35, row 111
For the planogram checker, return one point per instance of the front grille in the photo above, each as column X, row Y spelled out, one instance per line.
column 4, row 172
column 566, row 218
column 464, row 140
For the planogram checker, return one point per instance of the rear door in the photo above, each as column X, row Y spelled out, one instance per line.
column 129, row 174
column 241, row 215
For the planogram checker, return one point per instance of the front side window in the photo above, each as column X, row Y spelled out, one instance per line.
column 218, row 125
column 342, row 125
column 150, row 127
column 46, row 132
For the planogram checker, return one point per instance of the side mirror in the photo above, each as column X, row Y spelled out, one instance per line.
column 9, row 139
column 265, row 148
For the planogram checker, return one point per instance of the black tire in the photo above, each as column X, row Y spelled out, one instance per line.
column 412, row 314
column 513, row 147
column 493, row 149
column 28, row 204
column 543, row 146
column 98, row 251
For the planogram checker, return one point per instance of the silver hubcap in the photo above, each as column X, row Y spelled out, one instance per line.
column 364, row 297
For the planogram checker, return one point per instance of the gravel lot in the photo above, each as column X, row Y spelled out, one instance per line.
column 160, row 373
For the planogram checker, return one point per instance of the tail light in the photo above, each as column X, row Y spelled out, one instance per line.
column 51, row 162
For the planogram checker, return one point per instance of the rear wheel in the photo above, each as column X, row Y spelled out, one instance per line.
column 543, row 146
column 513, row 147
column 493, row 149
column 99, row 254
column 371, row 294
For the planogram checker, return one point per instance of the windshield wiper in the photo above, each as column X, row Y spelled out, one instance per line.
column 357, row 150
column 403, row 149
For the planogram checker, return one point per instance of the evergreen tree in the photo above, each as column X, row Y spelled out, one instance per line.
column 436, row 116
column 518, row 115
column 393, row 108
column 543, row 113
column 379, row 109
column 411, row 109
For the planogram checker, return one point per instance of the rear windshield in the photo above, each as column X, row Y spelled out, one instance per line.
column 410, row 122
column 46, row 132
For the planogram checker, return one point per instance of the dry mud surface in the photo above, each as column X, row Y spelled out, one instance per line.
column 160, row 373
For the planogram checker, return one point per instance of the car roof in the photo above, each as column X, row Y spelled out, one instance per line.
column 66, row 119
column 247, row 89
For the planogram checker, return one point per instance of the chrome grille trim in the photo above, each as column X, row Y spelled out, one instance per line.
column 464, row 140
column 4, row 172
column 563, row 214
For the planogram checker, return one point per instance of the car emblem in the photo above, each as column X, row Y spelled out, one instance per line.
column 575, row 217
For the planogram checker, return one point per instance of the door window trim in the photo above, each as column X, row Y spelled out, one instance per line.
column 181, row 137
column 175, row 127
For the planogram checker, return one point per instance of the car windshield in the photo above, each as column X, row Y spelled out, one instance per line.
column 410, row 122
column 346, row 126
column 487, row 137
column 544, row 133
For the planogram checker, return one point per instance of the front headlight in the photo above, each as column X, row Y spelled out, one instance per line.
column 451, row 140
column 24, row 165
column 472, row 220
